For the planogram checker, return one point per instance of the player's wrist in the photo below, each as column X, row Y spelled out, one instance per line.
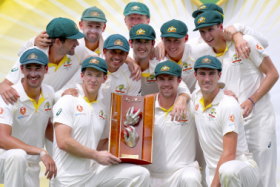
column 252, row 101
column 43, row 153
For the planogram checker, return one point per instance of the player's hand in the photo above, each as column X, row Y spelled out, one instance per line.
column 159, row 52
column 50, row 166
column 106, row 158
column 71, row 91
column 135, row 70
column 242, row 47
column 8, row 94
column 42, row 40
column 247, row 107
column 229, row 32
column 180, row 108
column 230, row 93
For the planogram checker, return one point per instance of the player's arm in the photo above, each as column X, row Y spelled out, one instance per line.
column 134, row 68
column 65, row 141
column 271, row 76
column 103, row 144
column 7, row 92
column 7, row 141
column 49, row 131
column 229, row 152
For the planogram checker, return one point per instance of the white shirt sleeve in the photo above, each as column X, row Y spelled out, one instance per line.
column 183, row 88
column 249, row 31
column 257, row 51
column 63, row 111
column 15, row 74
column 231, row 116
column 28, row 44
column 134, row 88
column 6, row 113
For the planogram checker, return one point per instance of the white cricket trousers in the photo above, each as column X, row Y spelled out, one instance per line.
column 16, row 171
column 121, row 175
column 237, row 173
column 188, row 176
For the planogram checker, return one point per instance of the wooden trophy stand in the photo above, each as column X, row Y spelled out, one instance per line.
column 139, row 149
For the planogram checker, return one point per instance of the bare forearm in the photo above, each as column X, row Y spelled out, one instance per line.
column 14, row 143
column 73, row 147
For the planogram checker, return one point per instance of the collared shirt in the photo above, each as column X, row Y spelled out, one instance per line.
column 58, row 74
column 87, row 121
column 173, row 142
column 27, row 117
column 215, row 120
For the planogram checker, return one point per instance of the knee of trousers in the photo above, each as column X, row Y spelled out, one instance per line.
column 16, row 157
column 228, row 171
column 143, row 172
column 190, row 179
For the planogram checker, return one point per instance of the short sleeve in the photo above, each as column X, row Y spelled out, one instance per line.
column 63, row 110
column 6, row 113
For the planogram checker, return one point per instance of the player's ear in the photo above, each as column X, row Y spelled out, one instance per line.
column 81, row 24
column 104, row 27
column 186, row 37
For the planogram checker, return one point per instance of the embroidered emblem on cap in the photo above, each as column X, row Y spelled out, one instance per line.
column 94, row 61
column 135, row 8
column 140, row 32
column 202, row 7
column 96, row 14
column 171, row 29
column 164, row 68
column 118, row 42
column 201, row 20
column 206, row 60
column 32, row 56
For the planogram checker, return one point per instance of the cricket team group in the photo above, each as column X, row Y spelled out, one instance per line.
column 212, row 106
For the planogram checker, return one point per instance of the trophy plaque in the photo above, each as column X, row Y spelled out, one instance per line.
column 131, row 128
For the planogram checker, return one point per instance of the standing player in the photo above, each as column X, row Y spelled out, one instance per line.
column 219, row 124
column 173, row 141
column 79, row 123
column 250, row 79
column 62, row 64
column 24, row 125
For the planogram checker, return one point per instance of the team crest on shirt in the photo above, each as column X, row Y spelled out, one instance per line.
column 151, row 78
column 212, row 113
column 68, row 63
column 259, row 48
column 236, row 59
column 47, row 106
column 171, row 29
column 22, row 113
column 187, row 66
column 14, row 69
column 1, row 110
column 231, row 118
column 184, row 119
column 120, row 89
column 80, row 108
column 102, row 114
column 196, row 107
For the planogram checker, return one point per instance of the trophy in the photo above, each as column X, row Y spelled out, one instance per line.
column 131, row 128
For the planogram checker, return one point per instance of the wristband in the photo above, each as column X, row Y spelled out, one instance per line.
column 43, row 153
column 249, row 98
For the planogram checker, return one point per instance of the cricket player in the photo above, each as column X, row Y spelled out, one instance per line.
column 24, row 125
column 79, row 123
column 174, row 145
column 219, row 123
column 142, row 39
column 250, row 79
column 62, row 65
